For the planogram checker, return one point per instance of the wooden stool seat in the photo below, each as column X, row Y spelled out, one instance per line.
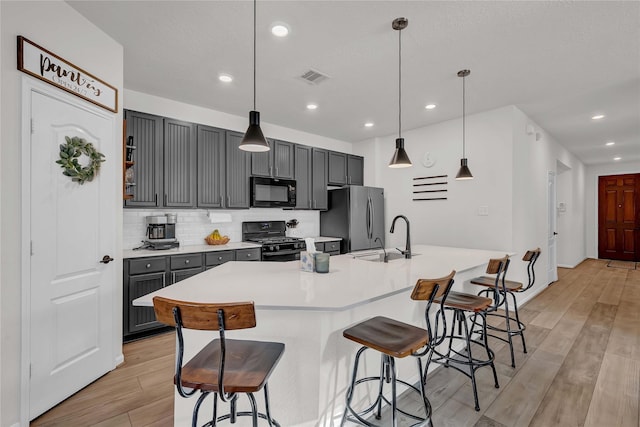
column 490, row 282
column 248, row 366
column 388, row 336
column 466, row 302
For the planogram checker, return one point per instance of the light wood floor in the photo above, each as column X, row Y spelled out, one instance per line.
column 582, row 368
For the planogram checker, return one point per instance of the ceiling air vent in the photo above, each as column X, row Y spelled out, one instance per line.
column 313, row 77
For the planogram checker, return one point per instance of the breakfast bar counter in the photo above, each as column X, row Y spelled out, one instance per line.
column 308, row 312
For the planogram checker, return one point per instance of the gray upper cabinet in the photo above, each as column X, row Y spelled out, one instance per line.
column 237, row 173
column 147, row 133
column 179, row 164
column 355, row 170
column 211, row 167
column 345, row 169
column 319, row 178
column 303, row 177
column 277, row 162
column 337, row 168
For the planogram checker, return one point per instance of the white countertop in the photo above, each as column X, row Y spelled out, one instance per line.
column 139, row 253
column 349, row 283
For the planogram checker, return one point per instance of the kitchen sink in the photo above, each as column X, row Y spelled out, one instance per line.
column 379, row 256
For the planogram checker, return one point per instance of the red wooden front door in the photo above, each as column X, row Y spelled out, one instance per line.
column 619, row 217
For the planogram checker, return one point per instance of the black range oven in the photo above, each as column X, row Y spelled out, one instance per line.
column 276, row 246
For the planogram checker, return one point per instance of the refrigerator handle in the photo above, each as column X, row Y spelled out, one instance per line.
column 373, row 217
column 368, row 219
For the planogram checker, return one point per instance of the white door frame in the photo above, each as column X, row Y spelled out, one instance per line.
column 30, row 84
column 552, row 270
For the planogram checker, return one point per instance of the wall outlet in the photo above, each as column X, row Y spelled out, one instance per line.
column 483, row 211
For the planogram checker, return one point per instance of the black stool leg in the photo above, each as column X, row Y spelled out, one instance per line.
column 354, row 376
column 490, row 354
column 272, row 422
column 214, row 421
column 520, row 326
column 423, row 393
column 254, row 410
column 472, row 369
column 507, row 318
column 196, row 408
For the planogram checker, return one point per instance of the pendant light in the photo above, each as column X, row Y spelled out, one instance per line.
column 464, row 172
column 253, row 138
column 400, row 158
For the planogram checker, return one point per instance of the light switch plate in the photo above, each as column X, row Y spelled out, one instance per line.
column 483, row 211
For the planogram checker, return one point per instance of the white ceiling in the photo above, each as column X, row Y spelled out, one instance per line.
column 559, row 61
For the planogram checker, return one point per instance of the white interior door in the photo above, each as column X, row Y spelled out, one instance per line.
column 552, row 263
column 72, row 228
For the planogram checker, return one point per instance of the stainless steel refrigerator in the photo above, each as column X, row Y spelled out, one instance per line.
column 356, row 214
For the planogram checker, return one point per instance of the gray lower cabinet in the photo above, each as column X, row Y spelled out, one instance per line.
column 147, row 133
column 211, row 167
column 303, row 177
column 141, row 276
column 179, row 164
column 184, row 266
column 214, row 259
column 252, row 254
column 277, row 162
column 237, row 173
column 332, row 248
column 319, row 180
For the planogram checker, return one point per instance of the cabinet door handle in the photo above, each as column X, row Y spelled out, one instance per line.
column 164, row 280
column 219, row 258
column 165, row 199
column 277, row 174
column 155, row 199
column 221, row 201
column 271, row 170
column 173, row 278
column 309, row 204
column 228, row 201
column 148, row 265
column 186, row 261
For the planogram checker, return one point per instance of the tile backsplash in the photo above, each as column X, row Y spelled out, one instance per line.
column 194, row 225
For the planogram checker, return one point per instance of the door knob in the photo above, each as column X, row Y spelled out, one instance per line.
column 106, row 259
column 555, row 233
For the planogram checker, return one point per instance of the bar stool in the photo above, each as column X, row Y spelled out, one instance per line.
column 463, row 360
column 395, row 339
column 223, row 367
column 513, row 325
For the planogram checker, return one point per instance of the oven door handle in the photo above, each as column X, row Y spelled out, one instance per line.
column 288, row 252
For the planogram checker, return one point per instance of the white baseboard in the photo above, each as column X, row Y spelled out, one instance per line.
column 15, row 425
column 572, row 266
column 119, row 359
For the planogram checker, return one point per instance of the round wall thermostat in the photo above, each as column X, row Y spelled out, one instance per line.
column 428, row 160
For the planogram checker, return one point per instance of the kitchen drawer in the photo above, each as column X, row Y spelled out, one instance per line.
column 319, row 246
column 252, row 254
column 147, row 265
column 218, row 257
column 332, row 247
column 185, row 261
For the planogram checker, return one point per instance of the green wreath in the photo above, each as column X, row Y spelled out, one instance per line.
column 69, row 154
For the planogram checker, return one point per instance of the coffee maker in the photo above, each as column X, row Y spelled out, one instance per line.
column 161, row 232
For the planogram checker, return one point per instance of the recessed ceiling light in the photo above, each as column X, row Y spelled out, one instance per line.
column 280, row 30
column 312, row 106
column 225, row 78
column 610, row 143
column 430, row 106
column 617, row 158
column 368, row 124
column 597, row 117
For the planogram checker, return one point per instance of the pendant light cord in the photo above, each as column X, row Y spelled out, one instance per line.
column 463, row 117
column 254, row 55
column 400, row 83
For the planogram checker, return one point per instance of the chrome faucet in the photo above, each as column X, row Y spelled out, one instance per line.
column 386, row 257
column 407, row 250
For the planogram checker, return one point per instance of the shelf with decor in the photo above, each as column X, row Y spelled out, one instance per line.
column 127, row 169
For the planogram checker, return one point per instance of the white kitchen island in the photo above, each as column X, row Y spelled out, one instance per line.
column 308, row 312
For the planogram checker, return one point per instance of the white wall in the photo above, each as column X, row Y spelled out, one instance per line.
column 59, row 28
column 452, row 222
column 591, row 198
column 510, row 178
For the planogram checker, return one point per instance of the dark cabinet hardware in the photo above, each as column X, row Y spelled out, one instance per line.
column 106, row 259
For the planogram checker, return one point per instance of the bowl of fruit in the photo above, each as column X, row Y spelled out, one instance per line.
column 216, row 239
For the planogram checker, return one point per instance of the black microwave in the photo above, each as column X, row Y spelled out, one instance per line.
column 273, row 192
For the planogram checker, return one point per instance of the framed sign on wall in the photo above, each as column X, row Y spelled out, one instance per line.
column 49, row 67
